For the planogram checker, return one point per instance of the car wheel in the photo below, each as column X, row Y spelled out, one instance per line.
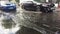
column 50, row 11
column 22, row 7
column 38, row 8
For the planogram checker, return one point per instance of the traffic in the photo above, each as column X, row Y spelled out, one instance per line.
column 7, row 6
column 43, row 7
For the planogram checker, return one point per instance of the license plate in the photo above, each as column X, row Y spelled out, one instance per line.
column 11, row 8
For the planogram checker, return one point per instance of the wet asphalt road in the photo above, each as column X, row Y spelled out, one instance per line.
column 25, row 30
column 30, row 22
column 49, row 21
column 11, row 27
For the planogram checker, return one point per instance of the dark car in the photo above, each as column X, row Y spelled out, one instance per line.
column 43, row 7
column 29, row 5
column 46, row 7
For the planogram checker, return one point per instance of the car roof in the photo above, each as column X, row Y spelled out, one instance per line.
column 27, row 2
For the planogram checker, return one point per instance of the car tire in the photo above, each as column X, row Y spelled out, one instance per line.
column 22, row 7
column 38, row 8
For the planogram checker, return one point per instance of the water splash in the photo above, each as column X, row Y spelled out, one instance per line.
column 12, row 30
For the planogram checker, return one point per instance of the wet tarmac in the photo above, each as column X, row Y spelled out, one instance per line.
column 25, row 30
column 49, row 21
column 8, row 26
column 29, row 22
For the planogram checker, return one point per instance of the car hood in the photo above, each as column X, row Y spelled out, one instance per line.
column 8, row 4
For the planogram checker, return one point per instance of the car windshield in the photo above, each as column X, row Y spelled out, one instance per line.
column 41, row 1
column 28, row 2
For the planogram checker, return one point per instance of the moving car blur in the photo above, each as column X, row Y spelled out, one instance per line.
column 6, row 6
column 30, row 21
column 29, row 5
column 43, row 7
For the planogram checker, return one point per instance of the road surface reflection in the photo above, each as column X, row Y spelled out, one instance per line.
column 49, row 21
column 7, row 25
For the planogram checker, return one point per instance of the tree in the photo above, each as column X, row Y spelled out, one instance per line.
column 17, row 1
column 37, row 0
column 40, row 0
column 10, row 0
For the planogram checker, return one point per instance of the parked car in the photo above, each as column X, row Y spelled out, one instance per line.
column 29, row 5
column 7, row 6
column 43, row 7
column 47, row 7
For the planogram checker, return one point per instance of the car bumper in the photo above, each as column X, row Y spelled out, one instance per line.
column 8, row 8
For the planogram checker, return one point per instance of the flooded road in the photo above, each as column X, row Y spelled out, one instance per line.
column 35, row 19
column 29, row 22
column 10, row 24
column 7, row 25
column 25, row 30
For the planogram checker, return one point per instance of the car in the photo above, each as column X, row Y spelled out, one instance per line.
column 7, row 6
column 47, row 7
column 43, row 7
column 29, row 5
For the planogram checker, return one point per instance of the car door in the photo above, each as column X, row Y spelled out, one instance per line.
column 33, row 6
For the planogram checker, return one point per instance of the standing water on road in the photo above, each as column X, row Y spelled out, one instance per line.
column 29, row 22
column 7, row 25
column 46, row 23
